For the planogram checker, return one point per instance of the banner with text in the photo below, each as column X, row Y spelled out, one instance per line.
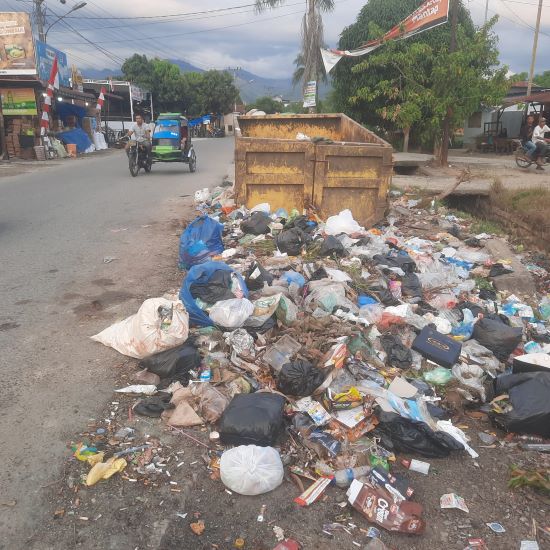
column 18, row 101
column 429, row 14
column 16, row 44
column 45, row 55
column 310, row 94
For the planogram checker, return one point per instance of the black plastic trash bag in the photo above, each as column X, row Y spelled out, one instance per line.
column 411, row 286
column 529, row 394
column 154, row 406
column 332, row 247
column 299, row 378
column 257, row 224
column 401, row 260
column 252, row 419
column 292, row 240
column 399, row 355
column 407, row 436
column 497, row 336
column 301, row 222
column 174, row 363
column 215, row 289
column 384, row 296
column 257, row 276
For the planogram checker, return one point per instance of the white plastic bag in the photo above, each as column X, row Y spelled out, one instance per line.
column 342, row 223
column 251, row 470
column 231, row 313
column 264, row 207
column 202, row 195
column 146, row 332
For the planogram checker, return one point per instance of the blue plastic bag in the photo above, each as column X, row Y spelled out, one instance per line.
column 293, row 277
column 202, row 273
column 201, row 239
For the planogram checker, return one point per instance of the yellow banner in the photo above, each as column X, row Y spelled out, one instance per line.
column 18, row 101
column 16, row 44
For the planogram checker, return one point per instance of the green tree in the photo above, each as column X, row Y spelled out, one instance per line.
column 190, row 93
column 266, row 104
column 312, row 38
column 374, row 19
column 542, row 79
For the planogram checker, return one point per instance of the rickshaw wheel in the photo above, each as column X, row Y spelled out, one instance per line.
column 193, row 162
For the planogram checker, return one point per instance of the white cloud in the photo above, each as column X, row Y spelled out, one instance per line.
column 267, row 46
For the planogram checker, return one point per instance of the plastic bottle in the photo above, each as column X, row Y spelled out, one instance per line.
column 343, row 478
column 206, row 374
column 417, row 466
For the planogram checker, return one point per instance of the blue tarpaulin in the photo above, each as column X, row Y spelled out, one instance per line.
column 77, row 136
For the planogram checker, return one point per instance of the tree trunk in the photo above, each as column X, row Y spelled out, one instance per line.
column 310, row 30
column 3, row 150
column 444, row 155
column 406, row 132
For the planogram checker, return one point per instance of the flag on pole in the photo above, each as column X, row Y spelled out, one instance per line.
column 101, row 99
column 428, row 15
column 53, row 84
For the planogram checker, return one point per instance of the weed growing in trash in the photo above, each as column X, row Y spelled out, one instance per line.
column 332, row 372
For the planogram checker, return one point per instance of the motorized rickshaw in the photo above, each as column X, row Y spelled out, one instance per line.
column 172, row 141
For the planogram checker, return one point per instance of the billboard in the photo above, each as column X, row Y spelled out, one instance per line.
column 18, row 101
column 16, row 44
column 45, row 55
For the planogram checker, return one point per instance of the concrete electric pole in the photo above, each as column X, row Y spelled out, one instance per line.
column 534, row 55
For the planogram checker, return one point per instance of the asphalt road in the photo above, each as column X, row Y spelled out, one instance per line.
column 56, row 227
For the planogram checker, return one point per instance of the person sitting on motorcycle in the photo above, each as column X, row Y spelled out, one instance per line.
column 526, row 134
column 540, row 141
column 142, row 134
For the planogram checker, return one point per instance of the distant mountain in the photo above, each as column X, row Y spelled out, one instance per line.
column 251, row 86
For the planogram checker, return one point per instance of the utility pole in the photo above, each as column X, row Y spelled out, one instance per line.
column 444, row 153
column 39, row 14
column 534, row 56
column 486, row 10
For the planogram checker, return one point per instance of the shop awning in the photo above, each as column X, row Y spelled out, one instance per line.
column 537, row 97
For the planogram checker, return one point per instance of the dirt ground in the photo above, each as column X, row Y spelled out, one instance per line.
column 139, row 511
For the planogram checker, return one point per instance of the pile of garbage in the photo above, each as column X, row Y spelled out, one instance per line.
column 320, row 351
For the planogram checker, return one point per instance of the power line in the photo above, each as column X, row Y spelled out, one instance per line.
column 175, row 14
column 199, row 31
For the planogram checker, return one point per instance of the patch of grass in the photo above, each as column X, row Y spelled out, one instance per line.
column 483, row 284
column 461, row 214
column 487, row 226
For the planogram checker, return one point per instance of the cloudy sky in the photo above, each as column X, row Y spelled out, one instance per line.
column 210, row 35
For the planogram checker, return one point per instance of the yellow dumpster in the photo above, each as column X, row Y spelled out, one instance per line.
column 280, row 159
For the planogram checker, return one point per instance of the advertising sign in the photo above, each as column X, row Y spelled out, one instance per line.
column 18, row 101
column 429, row 14
column 16, row 44
column 45, row 55
column 310, row 92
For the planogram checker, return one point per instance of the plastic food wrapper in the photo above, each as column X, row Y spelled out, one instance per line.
column 159, row 324
column 315, row 411
column 452, row 500
column 378, row 506
column 396, row 485
column 104, row 470
column 286, row 312
column 251, row 470
column 313, row 492
column 241, row 342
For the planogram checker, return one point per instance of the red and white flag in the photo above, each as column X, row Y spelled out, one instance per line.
column 100, row 99
column 53, row 84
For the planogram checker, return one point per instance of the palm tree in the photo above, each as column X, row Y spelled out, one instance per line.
column 312, row 38
column 298, row 74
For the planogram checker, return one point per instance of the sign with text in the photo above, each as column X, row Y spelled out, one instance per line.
column 18, row 101
column 45, row 55
column 16, row 44
column 310, row 94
